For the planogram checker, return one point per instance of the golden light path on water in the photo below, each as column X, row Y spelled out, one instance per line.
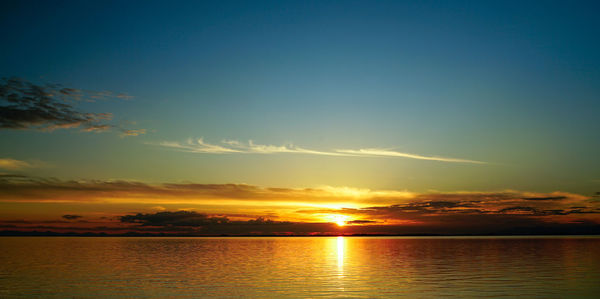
column 340, row 255
column 300, row 267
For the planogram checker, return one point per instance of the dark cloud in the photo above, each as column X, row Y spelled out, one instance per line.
column 546, row 198
column 71, row 217
column 519, row 210
column 361, row 222
column 191, row 222
column 436, row 205
column 27, row 106
column 421, row 207
column 548, row 212
column 15, row 188
column 179, row 218
column 49, row 107
column 581, row 211
column 12, row 176
column 421, row 210
column 379, row 212
column 445, row 225
column 492, row 213
column 190, row 218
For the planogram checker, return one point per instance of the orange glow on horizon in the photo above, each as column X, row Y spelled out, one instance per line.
column 339, row 220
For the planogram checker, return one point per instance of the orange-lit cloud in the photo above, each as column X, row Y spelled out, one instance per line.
column 133, row 132
column 360, row 210
column 30, row 189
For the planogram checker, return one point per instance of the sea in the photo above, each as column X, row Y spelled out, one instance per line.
column 300, row 267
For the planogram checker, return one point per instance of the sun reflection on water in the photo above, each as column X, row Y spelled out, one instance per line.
column 303, row 267
column 340, row 255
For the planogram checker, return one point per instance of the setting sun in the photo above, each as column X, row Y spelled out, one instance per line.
column 340, row 220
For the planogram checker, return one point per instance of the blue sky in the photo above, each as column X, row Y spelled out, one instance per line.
column 514, row 84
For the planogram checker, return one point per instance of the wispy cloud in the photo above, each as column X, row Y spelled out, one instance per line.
column 252, row 147
column 97, row 128
column 28, row 106
column 133, row 132
column 189, row 219
column 198, row 146
column 71, row 217
column 234, row 146
column 13, row 164
column 376, row 152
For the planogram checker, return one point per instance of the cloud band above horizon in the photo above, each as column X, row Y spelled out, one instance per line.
column 239, row 208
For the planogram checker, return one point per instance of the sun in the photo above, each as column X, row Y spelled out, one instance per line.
column 340, row 220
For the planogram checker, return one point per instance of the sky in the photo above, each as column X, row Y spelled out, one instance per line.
column 298, row 116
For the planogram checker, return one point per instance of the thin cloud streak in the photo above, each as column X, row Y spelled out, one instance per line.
column 235, row 146
column 252, row 147
column 388, row 153
column 198, row 146
column 133, row 132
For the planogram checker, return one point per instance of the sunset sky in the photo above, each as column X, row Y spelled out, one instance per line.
column 300, row 117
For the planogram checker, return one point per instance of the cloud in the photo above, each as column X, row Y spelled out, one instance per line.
column 375, row 152
column 234, row 146
column 193, row 223
column 469, row 211
column 198, row 146
column 250, row 147
column 204, row 224
column 97, row 128
column 134, row 132
column 460, row 207
column 27, row 106
column 197, row 209
column 31, row 189
column 14, row 188
column 190, row 218
column 546, row 198
column 361, row 222
column 71, row 217
column 12, row 164
column 179, row 218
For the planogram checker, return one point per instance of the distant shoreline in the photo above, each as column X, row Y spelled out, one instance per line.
column 101, row 235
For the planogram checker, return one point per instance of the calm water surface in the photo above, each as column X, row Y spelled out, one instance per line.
column 552, row 267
